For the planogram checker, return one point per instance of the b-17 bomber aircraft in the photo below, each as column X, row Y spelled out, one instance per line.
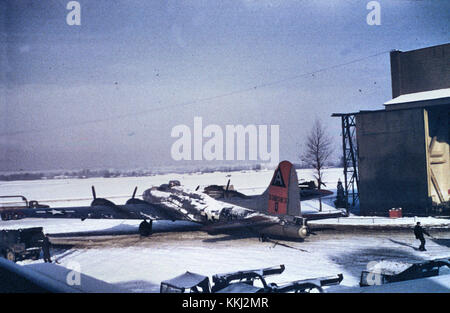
column 276, row 212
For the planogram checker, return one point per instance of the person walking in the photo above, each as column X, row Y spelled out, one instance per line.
column 46, row 249
column 418, row 232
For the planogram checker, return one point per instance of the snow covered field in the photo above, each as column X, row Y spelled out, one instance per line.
column 75, row 192
column 140, row 264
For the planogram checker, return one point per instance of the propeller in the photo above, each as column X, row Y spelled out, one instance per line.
column 100, row 201
column 226, row 190
column 120, row 211
column 93, row 192
column 134, row 200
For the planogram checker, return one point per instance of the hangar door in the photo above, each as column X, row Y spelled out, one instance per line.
column 438, row 154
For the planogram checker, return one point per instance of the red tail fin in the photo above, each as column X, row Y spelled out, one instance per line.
column 284, row 195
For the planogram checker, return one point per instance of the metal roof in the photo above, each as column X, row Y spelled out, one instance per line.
column 421, row 96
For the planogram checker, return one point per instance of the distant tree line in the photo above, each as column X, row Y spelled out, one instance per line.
column 85, row 173
column 108, row 173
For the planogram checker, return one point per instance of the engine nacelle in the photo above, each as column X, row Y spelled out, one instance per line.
column 287, row 230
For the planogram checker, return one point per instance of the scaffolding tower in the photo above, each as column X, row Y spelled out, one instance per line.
column 350, row 158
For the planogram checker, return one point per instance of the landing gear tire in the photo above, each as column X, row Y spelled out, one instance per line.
column 11, row 256
column 145, row 228
column 35, row 256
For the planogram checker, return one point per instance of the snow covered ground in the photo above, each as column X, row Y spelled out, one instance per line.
column 385, row 222
column 140, row 264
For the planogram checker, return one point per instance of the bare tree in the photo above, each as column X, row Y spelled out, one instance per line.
column 318, row 149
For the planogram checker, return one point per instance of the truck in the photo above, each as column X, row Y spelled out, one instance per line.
column 9, row 205
column 21, row 244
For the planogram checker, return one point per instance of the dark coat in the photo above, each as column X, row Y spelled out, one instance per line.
column 419, row 231
column 46, row 246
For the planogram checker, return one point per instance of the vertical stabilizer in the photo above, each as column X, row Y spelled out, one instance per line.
column 283, row 191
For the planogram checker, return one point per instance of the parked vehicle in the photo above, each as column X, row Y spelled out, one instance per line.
column 10, row 206
column 21, row 244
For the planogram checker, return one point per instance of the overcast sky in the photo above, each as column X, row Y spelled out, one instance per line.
column 107, row 93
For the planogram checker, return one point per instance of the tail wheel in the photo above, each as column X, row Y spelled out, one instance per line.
column 10, row 255
column 145, row 228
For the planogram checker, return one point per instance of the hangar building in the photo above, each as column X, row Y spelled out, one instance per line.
column 402, row 151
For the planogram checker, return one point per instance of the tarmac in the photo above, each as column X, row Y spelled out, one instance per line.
column 361, row 223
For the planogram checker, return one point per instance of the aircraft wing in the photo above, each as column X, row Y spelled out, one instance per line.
column 100, row 208
column 141, row 210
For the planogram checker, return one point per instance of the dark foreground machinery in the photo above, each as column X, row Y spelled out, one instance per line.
column 415, row 271
column 249, row 281
column 186, row 283
column 21, row 244
column 244, row 281
column 308, row 285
